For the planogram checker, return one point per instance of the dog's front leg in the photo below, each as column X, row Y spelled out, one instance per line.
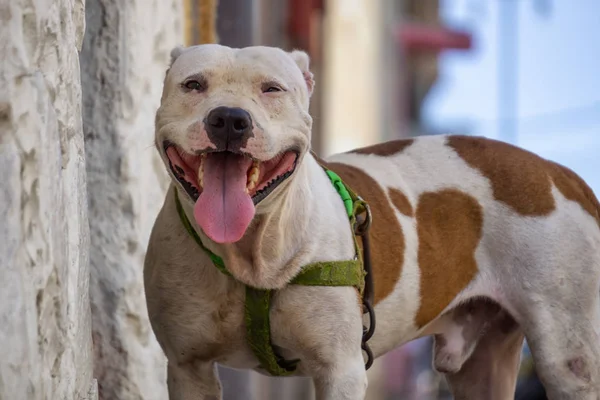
column 345, row 380
column 325, row 326
column 193, row 381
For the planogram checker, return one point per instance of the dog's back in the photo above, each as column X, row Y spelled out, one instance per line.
column 458, row 218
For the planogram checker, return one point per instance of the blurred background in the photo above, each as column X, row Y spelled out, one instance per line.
column 82, row 184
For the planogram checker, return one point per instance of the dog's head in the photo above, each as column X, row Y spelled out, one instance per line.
column 232, row 127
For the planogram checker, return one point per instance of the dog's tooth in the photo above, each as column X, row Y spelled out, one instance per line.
column 201, row 174
column 252, row 181
column 253, row 175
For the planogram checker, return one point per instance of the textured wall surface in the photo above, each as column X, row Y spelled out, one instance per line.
column 124, row 58
column 44, row 308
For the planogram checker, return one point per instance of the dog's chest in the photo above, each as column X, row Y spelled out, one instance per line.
column 213, row 328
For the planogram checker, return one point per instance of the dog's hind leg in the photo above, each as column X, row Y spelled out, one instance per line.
column 558, row 307
column 490, row 373
column 566, row 350
column 193, row 381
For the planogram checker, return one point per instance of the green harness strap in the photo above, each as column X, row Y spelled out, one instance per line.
column 325, row 273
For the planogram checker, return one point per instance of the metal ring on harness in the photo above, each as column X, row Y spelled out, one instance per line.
column 362, row 227
column 368, row 333
column 370, row 358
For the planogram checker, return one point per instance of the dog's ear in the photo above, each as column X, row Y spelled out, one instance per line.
column 176, row 52
column 303, row 62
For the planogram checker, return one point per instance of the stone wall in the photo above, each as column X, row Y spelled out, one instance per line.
column 54, row 230
column 124, row 58
column 44, row 241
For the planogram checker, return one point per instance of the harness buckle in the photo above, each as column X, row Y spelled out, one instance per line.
column 363, row 218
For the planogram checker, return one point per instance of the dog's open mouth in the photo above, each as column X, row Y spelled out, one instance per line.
column 226, row 186
column 262, row 177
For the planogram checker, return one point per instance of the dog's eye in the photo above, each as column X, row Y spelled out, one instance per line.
column 272, row 89
column 194, row 85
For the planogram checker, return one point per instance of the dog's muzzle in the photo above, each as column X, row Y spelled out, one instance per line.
column 229, row 128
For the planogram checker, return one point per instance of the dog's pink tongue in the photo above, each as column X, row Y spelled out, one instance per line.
column 224, row 209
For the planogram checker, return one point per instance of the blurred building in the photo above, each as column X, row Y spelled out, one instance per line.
column 374, row 61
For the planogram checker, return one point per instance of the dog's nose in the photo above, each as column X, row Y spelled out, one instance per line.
column 229, row 126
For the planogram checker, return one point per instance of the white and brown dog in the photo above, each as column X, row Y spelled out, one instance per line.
column 474, row 241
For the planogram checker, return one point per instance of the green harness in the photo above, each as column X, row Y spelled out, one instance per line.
column 327, row 273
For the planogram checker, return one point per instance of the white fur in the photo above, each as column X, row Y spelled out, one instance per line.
column 197, row 312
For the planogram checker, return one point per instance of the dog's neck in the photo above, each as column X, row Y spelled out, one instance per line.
column 305, row 224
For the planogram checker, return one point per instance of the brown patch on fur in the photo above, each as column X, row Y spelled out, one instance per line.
column 449, row 227
column 521, row 179
column 518, row 178
column 385, row 149
column 385, row 234
column 400, row 201
column 575, row 189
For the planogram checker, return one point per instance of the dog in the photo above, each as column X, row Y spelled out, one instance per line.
column 473, row 241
